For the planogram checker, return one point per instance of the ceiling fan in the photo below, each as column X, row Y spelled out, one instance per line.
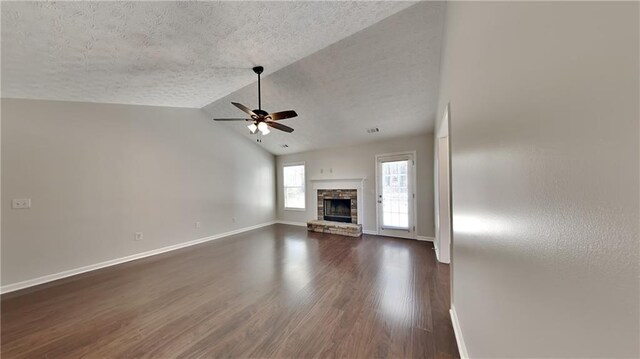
column 260, row 119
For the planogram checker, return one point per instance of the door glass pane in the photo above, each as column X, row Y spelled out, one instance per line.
column 395, row 194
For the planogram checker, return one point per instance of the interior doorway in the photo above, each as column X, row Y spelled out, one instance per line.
column 395, row 197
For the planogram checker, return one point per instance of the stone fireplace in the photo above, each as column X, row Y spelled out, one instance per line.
column 338, row 205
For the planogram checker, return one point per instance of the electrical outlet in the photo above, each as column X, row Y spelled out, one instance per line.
column 197, row 225
column 22, row 203
column 139, row 236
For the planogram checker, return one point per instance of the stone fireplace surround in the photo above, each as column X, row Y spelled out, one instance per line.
column 355, row 184
column 350, row 194
column 351, row 188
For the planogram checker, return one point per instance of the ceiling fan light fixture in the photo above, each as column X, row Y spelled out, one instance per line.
column 261, row 120
column 263, row 127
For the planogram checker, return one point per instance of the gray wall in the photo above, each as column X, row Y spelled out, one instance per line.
column 359, row 161
column 544, row 116
column 97, row 173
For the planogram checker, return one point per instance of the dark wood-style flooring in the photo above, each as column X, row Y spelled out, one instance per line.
column 277, row 292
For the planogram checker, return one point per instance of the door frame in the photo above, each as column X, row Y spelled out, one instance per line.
column 413, row 199
column 444, row 221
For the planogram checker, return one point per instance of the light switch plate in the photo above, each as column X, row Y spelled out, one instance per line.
column 21, row 203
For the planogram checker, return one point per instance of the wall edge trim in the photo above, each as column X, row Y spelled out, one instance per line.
column 425, row 238
column 292, row 223
column 462, row 348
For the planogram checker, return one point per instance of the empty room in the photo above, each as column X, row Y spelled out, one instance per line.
column 327, row 179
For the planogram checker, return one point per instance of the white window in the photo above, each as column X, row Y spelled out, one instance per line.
column 293, row 175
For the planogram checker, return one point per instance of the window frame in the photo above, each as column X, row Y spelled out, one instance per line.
column 304, row 186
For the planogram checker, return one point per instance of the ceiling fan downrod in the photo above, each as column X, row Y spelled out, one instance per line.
column 258, row 70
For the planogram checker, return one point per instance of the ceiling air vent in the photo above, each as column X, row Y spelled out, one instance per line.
column 373, row 130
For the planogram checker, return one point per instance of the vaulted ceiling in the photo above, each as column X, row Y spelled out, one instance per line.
column 343, row 66
column 385, row 76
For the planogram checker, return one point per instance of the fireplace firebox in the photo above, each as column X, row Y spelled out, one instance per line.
column 337, row 210
column 338, row 205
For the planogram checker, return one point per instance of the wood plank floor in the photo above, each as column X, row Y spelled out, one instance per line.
column 278, row 292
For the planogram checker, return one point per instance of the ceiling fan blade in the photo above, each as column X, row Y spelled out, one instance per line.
column 282, row 115
column 279, row 126
column 244, row 109
column 232, row 119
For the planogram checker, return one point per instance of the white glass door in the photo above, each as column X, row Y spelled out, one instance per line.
column 395, row 195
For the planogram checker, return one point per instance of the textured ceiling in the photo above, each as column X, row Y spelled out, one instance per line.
column 385, row 76
column 184, row 54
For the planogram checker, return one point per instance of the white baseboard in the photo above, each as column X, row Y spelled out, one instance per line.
column 71, row 272
column 462, row 348
column 301, row 224
column 425, row 238
column 420, row 238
